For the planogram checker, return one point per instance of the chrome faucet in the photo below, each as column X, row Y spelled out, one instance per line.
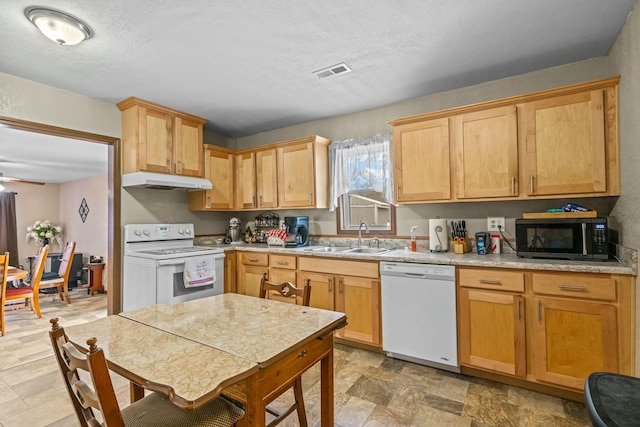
column 360, row 231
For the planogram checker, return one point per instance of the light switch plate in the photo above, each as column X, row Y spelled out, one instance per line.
column 494, row 221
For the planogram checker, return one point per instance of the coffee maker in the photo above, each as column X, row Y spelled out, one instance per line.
column 297, row 226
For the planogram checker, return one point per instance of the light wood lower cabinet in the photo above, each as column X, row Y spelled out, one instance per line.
column 359, row 299
column 492, row 331
column 552, row 328
column 230, row 271
column 251, row 267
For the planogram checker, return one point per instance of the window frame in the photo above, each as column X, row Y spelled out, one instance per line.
column 342, row 231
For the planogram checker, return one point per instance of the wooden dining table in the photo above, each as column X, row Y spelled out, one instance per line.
column 230, row 343
column 14, row 273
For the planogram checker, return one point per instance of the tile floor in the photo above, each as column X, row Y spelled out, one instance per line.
column 370, row 389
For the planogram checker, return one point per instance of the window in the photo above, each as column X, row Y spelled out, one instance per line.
column 361, row 184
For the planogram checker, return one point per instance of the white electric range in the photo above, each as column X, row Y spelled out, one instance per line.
column 154, row 262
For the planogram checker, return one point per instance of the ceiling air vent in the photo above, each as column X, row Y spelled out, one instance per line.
column 334, row 70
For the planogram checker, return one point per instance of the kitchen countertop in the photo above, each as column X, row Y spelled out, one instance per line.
column 472, row 259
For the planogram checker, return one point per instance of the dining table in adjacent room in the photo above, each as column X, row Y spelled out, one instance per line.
column 224, row 344
column 14, row 274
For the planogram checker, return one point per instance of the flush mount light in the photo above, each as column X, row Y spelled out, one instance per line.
column 57, row 26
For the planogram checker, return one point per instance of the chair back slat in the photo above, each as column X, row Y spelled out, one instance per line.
column 286, row 289
column 38, row 268
column 67, row 259
column 4, row 263
column 99, row 394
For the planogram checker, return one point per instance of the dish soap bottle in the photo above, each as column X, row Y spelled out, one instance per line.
column 414, row 244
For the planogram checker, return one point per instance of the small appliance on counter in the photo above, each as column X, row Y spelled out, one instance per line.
column 438, row 235
column 234, row 235
column 297, row 228
column 483, row 243
column 564, row 238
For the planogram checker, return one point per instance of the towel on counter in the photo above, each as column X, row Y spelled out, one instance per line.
column 199, row 271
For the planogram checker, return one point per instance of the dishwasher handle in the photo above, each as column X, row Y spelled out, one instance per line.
column 416, row 275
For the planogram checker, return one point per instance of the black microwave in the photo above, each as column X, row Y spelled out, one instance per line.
column 564, row 238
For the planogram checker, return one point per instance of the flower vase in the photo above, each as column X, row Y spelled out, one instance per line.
column 45, row 241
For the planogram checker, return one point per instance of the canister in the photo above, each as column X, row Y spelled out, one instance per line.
column 495, row 243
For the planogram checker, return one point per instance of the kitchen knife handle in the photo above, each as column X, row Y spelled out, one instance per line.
column 513, row 185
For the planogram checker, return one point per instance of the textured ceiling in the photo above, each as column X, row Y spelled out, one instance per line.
column 246, row 66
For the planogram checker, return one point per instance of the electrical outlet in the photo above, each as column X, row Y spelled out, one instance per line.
column 494, row 221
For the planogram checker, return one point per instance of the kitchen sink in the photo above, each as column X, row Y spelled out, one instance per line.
column 368, row 250
column 330, row 249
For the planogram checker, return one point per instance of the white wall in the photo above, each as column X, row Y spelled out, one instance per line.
column 91, row 236
column 34, row 202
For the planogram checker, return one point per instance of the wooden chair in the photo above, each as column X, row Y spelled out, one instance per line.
column 288, row 289
column 153, row 410
column 62, row 280
column 4, row 263
column 11, row 296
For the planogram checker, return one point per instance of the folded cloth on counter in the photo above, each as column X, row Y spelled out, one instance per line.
column 277, row 232
column 199, row 271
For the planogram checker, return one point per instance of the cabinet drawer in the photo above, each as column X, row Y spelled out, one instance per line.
column 575, row 285
column 283, row 261
column 341, row 267
column 253, row 258
column 491, row 279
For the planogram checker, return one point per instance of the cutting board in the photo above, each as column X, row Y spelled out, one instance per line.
column 538, row 215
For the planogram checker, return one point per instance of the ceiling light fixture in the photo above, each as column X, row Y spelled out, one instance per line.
column 57, row 26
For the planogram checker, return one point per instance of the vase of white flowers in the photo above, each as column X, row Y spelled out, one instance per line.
column 44, row 232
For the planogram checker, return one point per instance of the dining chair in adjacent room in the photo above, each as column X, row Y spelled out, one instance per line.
column 61, row 279
column 4, row 263
column 11, row 297
column 297, row 295
column 97, row 393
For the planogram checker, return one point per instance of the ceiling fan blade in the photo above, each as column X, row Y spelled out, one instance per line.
column 18, row 180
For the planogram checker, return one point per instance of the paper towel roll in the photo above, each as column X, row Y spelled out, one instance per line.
column 438, row 235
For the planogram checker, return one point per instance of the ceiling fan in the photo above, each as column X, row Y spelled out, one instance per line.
column 17, row 180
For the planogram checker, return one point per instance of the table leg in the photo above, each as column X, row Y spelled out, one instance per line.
column 136, row 392
column 326, row 389
column 254, row 411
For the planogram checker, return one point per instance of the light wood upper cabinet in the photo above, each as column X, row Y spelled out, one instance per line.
column 266, row 179
column 246, row 181
column 159, row 139
column 289, row 174
column 303, row 173
column 219, row 169
column 485, row 152
column 552, row 144
column 566, row 145
column 421, row 161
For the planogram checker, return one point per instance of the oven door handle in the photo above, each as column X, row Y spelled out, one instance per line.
column 171, row 262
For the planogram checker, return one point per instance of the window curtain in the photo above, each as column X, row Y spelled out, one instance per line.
column 361, row 165
column 8, row 227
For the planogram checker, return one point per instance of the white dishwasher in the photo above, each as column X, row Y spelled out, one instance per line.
column 419, row 314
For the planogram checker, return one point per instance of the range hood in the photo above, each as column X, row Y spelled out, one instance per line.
column 164, row 181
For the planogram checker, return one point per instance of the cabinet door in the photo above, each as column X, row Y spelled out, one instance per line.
column 359, row 299
column 230, row 272
column 218, row 167
column 187, row 146
column 266, row 179
column 322, row 289
column 491, row 331
column 573, row 339
column 565, row 143
column 156, row 141
column 421, row 161
column 249, row 277
column 486, row 153
column 296, row 176
column 246, row 181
